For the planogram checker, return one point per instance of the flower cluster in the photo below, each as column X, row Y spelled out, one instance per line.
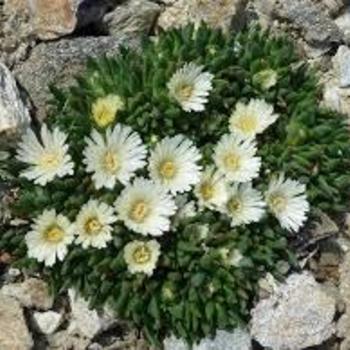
column 164, row 183
column 146, row 206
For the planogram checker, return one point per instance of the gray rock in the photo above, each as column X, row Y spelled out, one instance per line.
column 14, row 333
column 315, row 24
column 343, row 23
column 47, row 322
column 135, row 17
column 13, row 112
column 58, row 62
column 32, row 293
column 341, row 62
column 298, row 315
column 64, row 341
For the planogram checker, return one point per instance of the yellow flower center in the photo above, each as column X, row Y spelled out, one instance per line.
column 232, row 161
column 110, row 162
column 234, row 205
column 92, row 226
column 54, row 234
column 247, row 123
column 207, row 190
column 139, row 211
column 142, row 254
column 104, row 110
column 185, row 91
column 277, row 202
column 167, row 169
column 50, row 161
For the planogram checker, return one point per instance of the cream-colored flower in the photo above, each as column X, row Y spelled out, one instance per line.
column 94, row 224
column 287, row 200
column 266, row 78
column 190, row 87
column 114, row 156
column 142, row 256
column 49, row 237
column 244, row 205
column 211, row 191
column 248, row 120
column 145, row 207
column 173, row 164
column 236, row 158
column 47, row 158
column 105, row 110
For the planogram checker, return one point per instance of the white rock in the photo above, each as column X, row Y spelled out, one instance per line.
column 343, row 22
column 13, row 113
column 32, row 293
column 239, row 339
column 298, row 315
column 216, row 13
column 84, row 321
column 341, row 62
column 65, row 341
column 336, row 98
column 47, row 322
column 14, row 334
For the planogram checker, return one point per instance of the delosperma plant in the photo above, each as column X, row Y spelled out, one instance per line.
column 169, row 180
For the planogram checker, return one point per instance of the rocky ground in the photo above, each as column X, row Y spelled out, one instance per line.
column 45, row 41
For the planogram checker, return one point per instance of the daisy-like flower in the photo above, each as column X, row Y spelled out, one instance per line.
column 105, row 109
column 248, row 120
column 145, row 207
column 142, row 256
column 235, row 158
column 114, row 156
column 173, row 164
column 190, row 87
column 266, row 78
column 211, row 191
column 287, row 200
column 244, row 205
column 93, row 224
column 47, row 158
column 49, row 237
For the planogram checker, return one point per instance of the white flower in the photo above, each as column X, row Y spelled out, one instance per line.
column 235, row 158
column 287, row 200
column 190, row 87
column 248, row 120
column 244, row 205
column 47, row 158
column 115, row 156
column 49, row 237
column 105, row 110
column 211, row 191
column 145, row 207
column 173, row 164
column 142, row 256
column 186, row 209
column 93, row 224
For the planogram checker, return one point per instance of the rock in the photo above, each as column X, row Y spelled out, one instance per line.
column 238, row 339
column 216, row 13
column 343, row 331
column 58, row 63
column 32, row 293
column 135, row 17
column 84, row 321
column 315, row 24
column 336, row 98
column 13, row 113
column 47, row 322
column 52, row 18
column 15, row 32
column 341, row 63
column 14, row 333
column 65, row 341
column 343, row 23
column 298, row 315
